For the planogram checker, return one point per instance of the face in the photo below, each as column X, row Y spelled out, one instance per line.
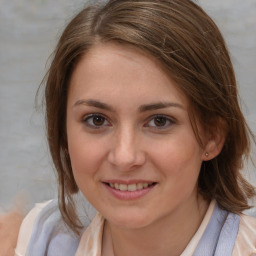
column 133, row 151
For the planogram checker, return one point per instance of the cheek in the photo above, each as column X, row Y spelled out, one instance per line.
column 179, row 156
column 86, row 154
column 85, row 162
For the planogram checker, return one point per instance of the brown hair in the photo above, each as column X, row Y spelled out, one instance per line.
column 192, row 50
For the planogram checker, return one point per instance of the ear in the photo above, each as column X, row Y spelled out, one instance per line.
column 214, row 141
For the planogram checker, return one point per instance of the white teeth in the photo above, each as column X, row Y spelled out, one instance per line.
column 130, row 187
column 123, row 187
column 140, row 186
column 145, row 185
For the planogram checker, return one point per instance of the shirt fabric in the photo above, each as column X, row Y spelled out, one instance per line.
column 43, row 229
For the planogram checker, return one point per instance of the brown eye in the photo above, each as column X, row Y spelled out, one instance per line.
column 98, row 120
column 95, row 121
column 160, row 121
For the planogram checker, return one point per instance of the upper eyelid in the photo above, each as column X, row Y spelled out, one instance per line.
column 161, row 115
column 92, row 115
column 170, row 119
column 85, row 119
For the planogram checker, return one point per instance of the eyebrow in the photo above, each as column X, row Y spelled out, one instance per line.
column 159, row 105
column 94, row 103
column 142, row 108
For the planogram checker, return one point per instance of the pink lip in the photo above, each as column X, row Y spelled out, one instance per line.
column 128, row 195
column 127, row 182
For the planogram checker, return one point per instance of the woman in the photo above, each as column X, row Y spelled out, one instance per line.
column 143, row 118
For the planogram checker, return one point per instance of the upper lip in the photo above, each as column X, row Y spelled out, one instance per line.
column 127, row 182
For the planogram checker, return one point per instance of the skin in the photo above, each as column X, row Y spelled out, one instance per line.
column 9, row 229
column 113, row 136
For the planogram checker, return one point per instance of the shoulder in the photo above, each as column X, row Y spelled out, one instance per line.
column 43, row 232
column 27, row 228
column 245, row 244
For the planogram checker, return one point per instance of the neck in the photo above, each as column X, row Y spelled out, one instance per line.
column 167, row 236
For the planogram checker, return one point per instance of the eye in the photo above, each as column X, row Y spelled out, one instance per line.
column 160, row 122
column 95, row 121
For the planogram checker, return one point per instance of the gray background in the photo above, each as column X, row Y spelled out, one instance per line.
column 28, row 33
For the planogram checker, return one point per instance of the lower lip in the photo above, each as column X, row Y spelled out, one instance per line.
column 128, row 195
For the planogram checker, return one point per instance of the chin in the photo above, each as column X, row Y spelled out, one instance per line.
column 128, row 220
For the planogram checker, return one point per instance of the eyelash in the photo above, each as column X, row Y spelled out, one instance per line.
column 168, row 122
column 90, row 117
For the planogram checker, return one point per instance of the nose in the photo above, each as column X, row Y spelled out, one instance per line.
column 126, row 153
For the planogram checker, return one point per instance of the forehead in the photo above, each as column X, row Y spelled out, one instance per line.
column 113, row 57
column 117, row 71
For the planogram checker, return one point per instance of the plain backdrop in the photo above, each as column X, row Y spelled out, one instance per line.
column 29, row 30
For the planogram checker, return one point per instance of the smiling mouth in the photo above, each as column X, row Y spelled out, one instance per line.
column 131, row 187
